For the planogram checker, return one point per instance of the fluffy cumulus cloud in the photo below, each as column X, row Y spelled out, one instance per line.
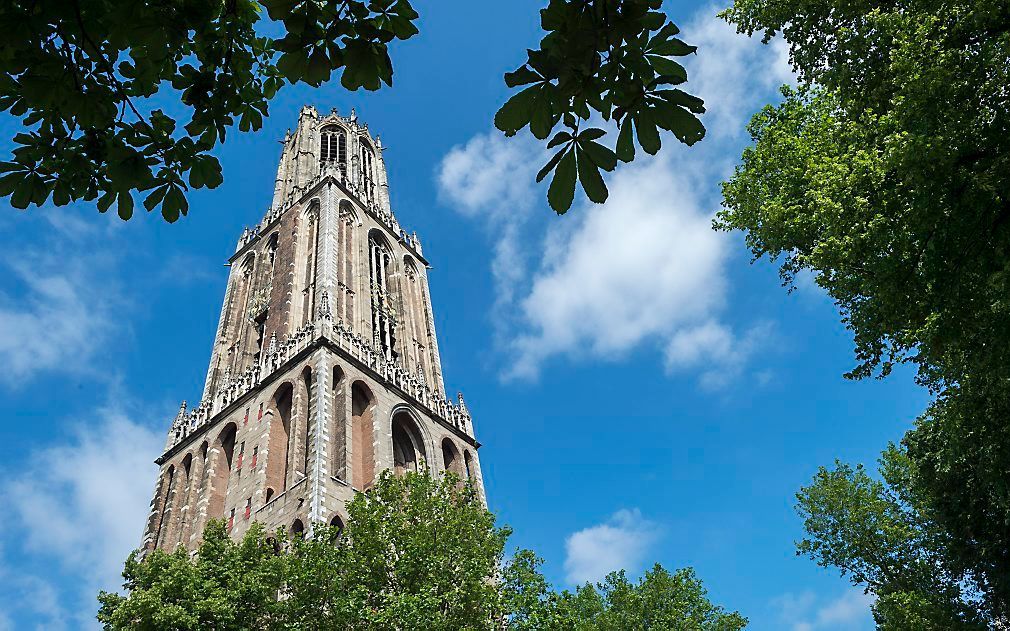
column 55, row 322
column 645, row 268
column 808, row 612
column 57, row 301
column 74, row 514
column 620, row 543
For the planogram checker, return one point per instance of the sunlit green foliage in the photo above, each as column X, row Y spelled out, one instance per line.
column 417, row 553
column 887, row 175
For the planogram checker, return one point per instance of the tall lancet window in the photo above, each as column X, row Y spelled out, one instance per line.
column 367, row 171
column 311, row 219
column 383, row 304
column 333, row 147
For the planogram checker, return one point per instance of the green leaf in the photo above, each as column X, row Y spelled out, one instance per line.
column 668, row 68
column 601, row 155
column 175, row 204
column 125, row 206
column 626, row 142
column 561, row 192
column 551, row 164
column 542, row 119
column 591, row 180
column 152, row 200
column 648, row 135
column 516, row 112
column 593, row 133
column 560, row 137
column 522, row 76
column 684, row 125
column 679, row 97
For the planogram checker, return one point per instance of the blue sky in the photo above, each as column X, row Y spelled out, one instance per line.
column 643, row 392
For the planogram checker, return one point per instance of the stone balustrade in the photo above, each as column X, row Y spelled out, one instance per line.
column 279, row 353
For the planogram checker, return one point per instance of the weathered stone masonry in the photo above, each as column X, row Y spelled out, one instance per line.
column 325, row 367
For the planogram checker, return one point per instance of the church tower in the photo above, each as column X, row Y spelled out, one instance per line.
column 325, row 367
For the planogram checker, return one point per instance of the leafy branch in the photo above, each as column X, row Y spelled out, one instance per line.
column 118, row 54
column 611, row 57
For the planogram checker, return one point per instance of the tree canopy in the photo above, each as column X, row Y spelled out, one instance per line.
column 81, row 75
column 416, row 553
column 885, row 174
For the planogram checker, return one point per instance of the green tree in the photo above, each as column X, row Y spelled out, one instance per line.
column 885, row 174
column 80, row 74
column 417, row 553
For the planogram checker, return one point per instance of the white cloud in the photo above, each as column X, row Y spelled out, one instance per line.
column 52, row 326
column 77, row 511
column 807, row 612
column 644, row 269
column 731, row 72
column 618, row 544
column 55, row 315
column 647, row 263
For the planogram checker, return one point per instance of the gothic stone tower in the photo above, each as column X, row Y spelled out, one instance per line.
column 325, row 367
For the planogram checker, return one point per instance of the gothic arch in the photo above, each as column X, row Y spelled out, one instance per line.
column 362, row 435
column 338, row 423
column 297, row 528
column 182, row 497
column 308, row 228
column 165, row 510
column 385, row 293
column 224, row 445
column 337, row 522
column 409, row 453
column 468, row 467
column 451, row 459
column 303, row 421
column 344, row 252
column 279, row 435
column 333, row 146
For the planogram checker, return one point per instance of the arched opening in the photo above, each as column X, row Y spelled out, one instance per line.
column 450, row 457
column 165, row 513
column 310, row 249
column 182, row 498
column 408, row 448
column 269, row 495
column 298, row 529
column 333, row 147
column 343, row 300
column 338, row 426
column 385, row 301
column 305, row 423
column 362, row 436
column 277, row 442
column 337, row 523
column 224, row 445
column 468, row 464
column 367, row 170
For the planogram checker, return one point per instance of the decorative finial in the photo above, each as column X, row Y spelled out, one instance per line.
column 462, row 403
column 272, row 348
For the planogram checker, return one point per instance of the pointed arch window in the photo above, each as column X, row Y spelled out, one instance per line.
column 333, row 147
column 383, row 303
column 367, row 171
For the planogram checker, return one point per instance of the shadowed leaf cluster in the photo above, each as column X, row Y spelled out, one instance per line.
column 79, row 73
column 611, row 59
